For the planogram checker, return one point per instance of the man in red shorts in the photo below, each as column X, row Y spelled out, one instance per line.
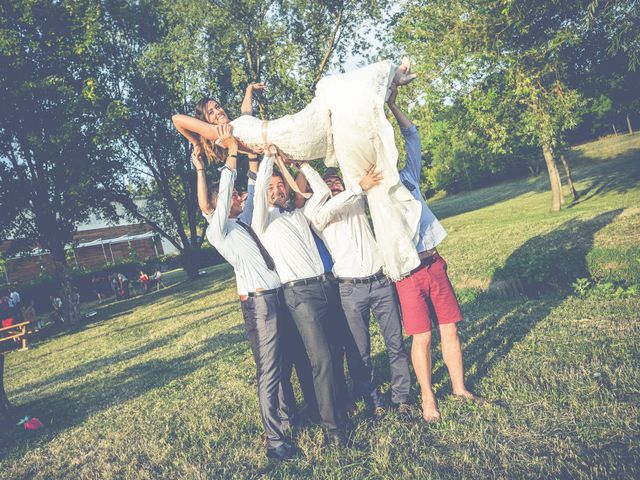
column 428, row 286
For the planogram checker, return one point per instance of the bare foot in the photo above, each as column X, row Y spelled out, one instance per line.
column 430, row 412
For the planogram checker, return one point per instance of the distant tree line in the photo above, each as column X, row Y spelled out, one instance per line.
column 506, row 82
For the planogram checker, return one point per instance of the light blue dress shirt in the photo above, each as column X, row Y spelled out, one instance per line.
column 431, row 230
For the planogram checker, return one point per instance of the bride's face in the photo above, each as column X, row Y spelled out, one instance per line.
column 215, row 113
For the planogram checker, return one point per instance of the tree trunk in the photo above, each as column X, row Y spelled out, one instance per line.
column 567, row 172
column 562, row 201
column 556, row 187
column 615, row 132
column 62, row 274
column 191, row 261
column 629, row 124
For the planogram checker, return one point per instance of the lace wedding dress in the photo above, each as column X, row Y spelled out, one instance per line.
column 345, row 124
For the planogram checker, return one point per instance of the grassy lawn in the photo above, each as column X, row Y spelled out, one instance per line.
column 162, row 386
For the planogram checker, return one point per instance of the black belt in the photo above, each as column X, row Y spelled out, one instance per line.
column 260, row 293
column 309, row 281
column 379, row 275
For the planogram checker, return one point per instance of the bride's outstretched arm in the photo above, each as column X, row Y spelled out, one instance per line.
column 189, row 127
column 247, row 103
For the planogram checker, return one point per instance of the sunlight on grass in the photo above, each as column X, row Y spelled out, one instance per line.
column 162, row 386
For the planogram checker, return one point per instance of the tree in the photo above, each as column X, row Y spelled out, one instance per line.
column 165, row 56
column 52, row 171
column 516, row 51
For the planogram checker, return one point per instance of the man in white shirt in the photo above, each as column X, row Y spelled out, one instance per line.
column 343, row 225
column 257, row 283
column 428, row 287
column 288, row 238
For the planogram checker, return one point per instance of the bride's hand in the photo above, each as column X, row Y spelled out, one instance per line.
column 257, row 87
column 371, row 179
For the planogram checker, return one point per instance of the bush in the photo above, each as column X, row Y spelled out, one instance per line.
column 615, row 264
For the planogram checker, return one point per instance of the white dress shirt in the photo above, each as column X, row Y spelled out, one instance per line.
column 431, row 230
column 286, row 235
column 342, row 224
column 235, row 244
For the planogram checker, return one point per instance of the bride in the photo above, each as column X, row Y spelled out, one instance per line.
column 345, row 124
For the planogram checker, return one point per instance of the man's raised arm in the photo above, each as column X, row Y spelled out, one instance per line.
column 218, row 218
column 326, row 212
column 413, row 167
column 260, row 217
column 247, row 213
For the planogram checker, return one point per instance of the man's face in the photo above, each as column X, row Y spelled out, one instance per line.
column 237, row 203
column 335, row 185
column 277, row 192
column 215, row 113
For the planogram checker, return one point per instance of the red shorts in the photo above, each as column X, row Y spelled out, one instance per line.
column 428, row 287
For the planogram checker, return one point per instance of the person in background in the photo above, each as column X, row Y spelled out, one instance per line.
column 96, row 282
column 123, row 285
column 113, row 283
column 157, row 277
column 144, row 281
column 5, row 304
column 14, row 296
column 75, row 297
column 29, row 315
column 56, row 304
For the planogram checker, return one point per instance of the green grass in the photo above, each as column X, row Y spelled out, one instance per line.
column 162, row 386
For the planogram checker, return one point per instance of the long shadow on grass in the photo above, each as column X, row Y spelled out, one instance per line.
column 71, row 405
column 620, row 179
column 121, row 355
column 617, row 174
column 540, row 274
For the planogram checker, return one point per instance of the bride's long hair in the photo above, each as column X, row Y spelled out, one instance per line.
column 213, row 152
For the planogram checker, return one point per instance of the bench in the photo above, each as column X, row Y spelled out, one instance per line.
column 19, row 330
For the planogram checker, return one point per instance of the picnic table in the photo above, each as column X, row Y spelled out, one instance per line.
column 17, row 331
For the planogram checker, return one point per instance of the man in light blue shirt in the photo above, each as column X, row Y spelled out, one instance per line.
column 428, row 288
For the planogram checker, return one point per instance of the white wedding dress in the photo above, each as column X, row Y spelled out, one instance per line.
column 345, row 124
